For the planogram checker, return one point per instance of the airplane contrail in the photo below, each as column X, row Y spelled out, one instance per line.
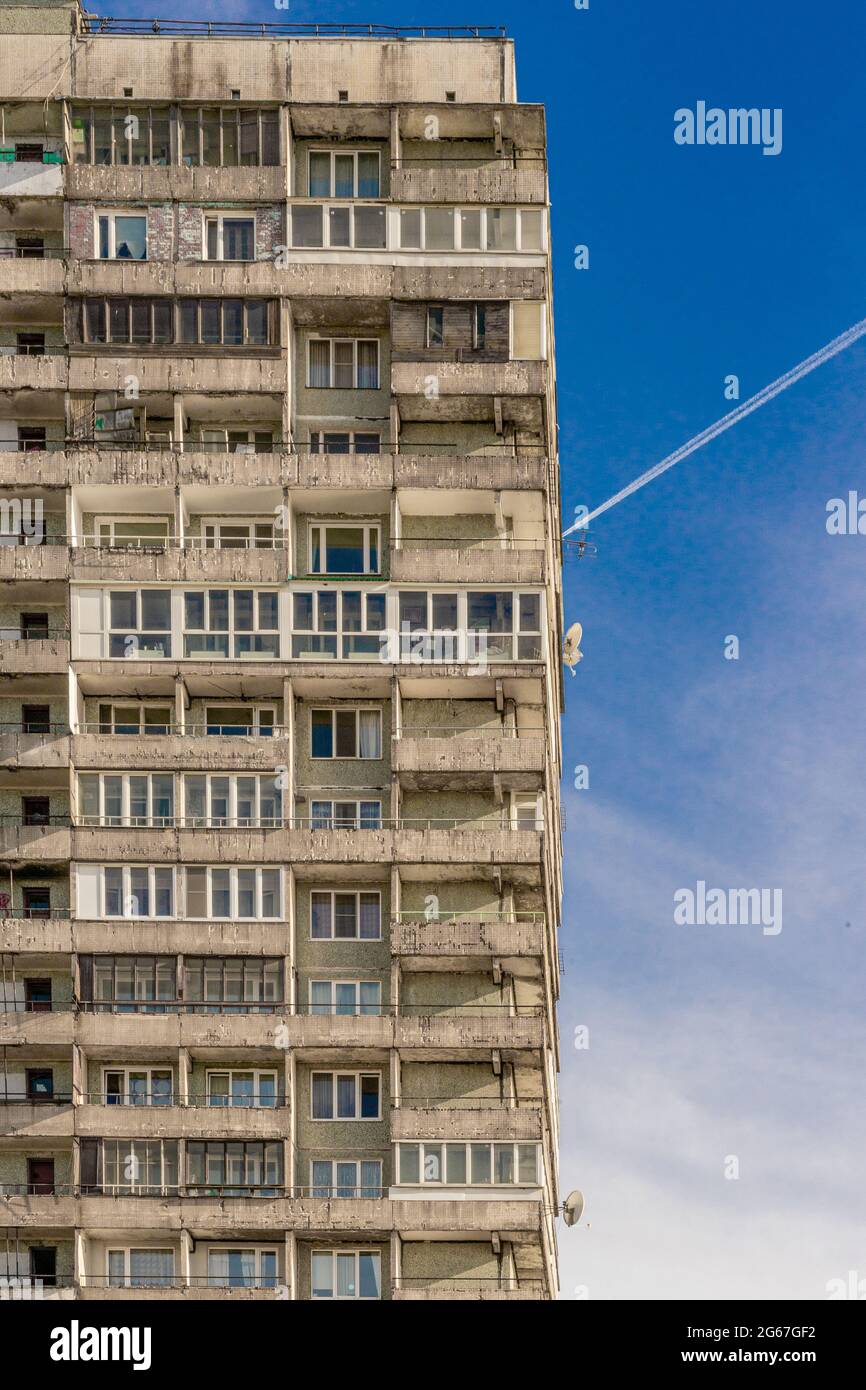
column 775, row 388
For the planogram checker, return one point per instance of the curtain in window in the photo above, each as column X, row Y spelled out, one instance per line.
column 150, row 1268
column 320, row 363
column 321, row 1176
column 371, row 1178
column 323, row 1102
column 368, row 365
column 370, row 914
column 369, row 732
column 345, row 1097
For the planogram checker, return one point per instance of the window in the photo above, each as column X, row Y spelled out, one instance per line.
column 338, row 916
column 336, row 548
column 30, row 437
column 218, row 800
column 35, row 719
column 36, row 902
column 346, row 1178
column 344, row 174
column 241, row 720
column 345, row 815
column 136, row 1086
column 471, row 229
column 34, row 627
column 345, row 442
column 345, row 1095
column 233, row 984
column 30, row 344
column 229, row 1168
column 35, row 810
column 435, row 326
column 345, row 916
column 40, row 1084
column 139, row 623
column 37, row 996
column 226, row 322
column 215, row 136
column 242, row 1089
column 479, row 326
column 140, row 1269
column 128, row 984
column 506, row 1165
column 237, row 535
column 337, row 622
column 134, row 891
column 528, row 330
column 345, row 1274
column 348, row 997
column 110, row 135
column 343, row 363
column 136, row 718
column 136, row 1167
column 526, row 814
column 233, row 623
column 230, row 237
column 132, row 532
column 235, row 441
column 130, row 798
column 242, row 1269
column 346, row 733
column 358, row 226
column 429, row 625
column 157, row 322
column 228, row 894
column 121, row 236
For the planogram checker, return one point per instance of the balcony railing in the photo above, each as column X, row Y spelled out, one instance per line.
column 307, row 1010
column 447, row 731
column 187, row 731
column 206, row 28
column 256, row 1100
column 280, row 446
column 483, row 824
column 34, row 253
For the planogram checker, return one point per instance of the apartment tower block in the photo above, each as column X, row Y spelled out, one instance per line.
column 280, row 678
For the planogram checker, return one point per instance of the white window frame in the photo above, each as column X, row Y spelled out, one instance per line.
column 334, row 1297
column 343, row 640
column 142, row 705
column 346, row 1119
column 316, row 338
column 124, row 1189
column 257, row 1073
column 467, row 1145
column 230, row 633
column 100, row 522
column 125, row 1071
column 332, row 982
column 521, row 801
column 216, row 524
column 344, row 153
column 542, row 311
column 371, row 529
column 126, row 818
column 232, row 820
column 457, row 210
column 357, row 710
column 333, row 1187
column 258, row 1251
column 331, row 816
column 112, row 214
column 255, row 729
column 273, row 980
column 233, row 870
column 136, row 632
column 225, row 431
column 346, row 892
column 126, row 891
column 127, row 1251
column 242, row 215
column 318, row 447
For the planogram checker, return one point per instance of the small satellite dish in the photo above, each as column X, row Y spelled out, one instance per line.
column 572, row 1207
column 571, row 653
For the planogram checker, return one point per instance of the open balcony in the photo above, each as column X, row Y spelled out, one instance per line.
column 24, row 371
column 509, row 937
column 471, row 1119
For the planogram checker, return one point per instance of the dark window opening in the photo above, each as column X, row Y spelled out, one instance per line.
column 35, row 719
column 37, row 996
column 36, row 902
column 31, row 344
column 34, row 627
column 35, row 810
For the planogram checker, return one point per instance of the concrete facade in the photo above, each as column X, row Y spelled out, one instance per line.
column 280, row 616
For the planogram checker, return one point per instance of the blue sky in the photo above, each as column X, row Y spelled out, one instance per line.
column 705, row 1042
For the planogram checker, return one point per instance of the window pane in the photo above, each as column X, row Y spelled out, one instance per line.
column 410, row 1163
column 320, row 363
column 307, row 225
column 370, row 227
column 369, row 1097
column 370, row 915
column 346, row 725
column 531, row 229
column 257, row 322
column 323, row 1096
column 320, row 909
column 210, row 321
column 346, row 1097
column 130, row 238
column 470, row 229
column 368, row 1274
column 439, row 229
column 368, row 175
column 344, row 175
column 339, row 227
column 322, row 727
column 455, row 1163
column 410, row 228
column 368, row 365
column 344, row 363
column 319, row 175
column 189, row 320
column 321, row 1274
column 480, row 1163
column 501, row 229
column 233, row 322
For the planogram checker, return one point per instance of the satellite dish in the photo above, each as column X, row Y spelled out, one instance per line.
column 572, row 1207
column 571, row 653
